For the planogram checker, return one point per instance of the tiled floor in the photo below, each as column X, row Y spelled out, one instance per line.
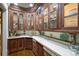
column 23, row 53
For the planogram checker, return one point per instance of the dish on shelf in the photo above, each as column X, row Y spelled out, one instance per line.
column 73, row 11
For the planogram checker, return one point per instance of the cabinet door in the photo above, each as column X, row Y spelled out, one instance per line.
column 40, row 50
column 70, row 16
column 32, row 22
column 35, row 48
column 45, row 16
column 36, row 22
column 28, row 43
column 21, row 21
column 20, row 43
column 10, row 20
column 15, row 21
column 40, row 27
column 53, row 14
column 28, row 21
column 12, row 45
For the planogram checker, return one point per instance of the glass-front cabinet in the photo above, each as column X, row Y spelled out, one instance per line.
column 45, row 14
column 15, row 21
column 70, row 15
column 21, row 22
column 28, row 20
column 53, row 15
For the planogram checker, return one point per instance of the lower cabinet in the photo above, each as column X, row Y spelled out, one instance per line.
column 40, row 49
column 12, row 45
column 18, row 44
column 28, row 43
column 37, row 48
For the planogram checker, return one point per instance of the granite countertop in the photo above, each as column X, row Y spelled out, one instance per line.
column 23, row 36
column 52, row 45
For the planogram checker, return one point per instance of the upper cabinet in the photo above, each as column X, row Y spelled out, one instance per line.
column 28, row 21
column 15, row 21
column 53, row 14
column 32, row 22
column 36, row 21
column 21, row 22
column 45, row 15
column 70, row 18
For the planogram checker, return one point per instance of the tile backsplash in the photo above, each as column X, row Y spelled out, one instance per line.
column 52, row 34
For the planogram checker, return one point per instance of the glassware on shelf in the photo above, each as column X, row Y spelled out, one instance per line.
column 71, row 15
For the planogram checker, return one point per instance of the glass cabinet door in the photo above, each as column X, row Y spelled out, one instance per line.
column 53, row 15
column 21, row 22
column 15, row 21
column 45, row 14
column 70, row 15
column 36, row 22
column 40, row 22
column 32, row 22
column 28, row 21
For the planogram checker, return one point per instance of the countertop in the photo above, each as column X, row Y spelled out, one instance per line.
column 23, row 36
column 52, row 45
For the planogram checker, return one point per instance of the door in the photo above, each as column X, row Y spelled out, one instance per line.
column 0, row 31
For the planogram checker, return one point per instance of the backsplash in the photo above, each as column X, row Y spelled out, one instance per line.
column 51, row 34
column 77, row 38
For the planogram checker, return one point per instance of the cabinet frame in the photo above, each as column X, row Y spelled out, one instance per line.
column 68, row 28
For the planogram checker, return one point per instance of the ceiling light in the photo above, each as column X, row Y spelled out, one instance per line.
column 31, row 5
column 16, row 3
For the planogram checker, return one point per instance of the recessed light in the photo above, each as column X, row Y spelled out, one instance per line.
column 16, row 3
column 31, row 5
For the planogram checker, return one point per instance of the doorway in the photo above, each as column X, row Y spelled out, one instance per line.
column 0, row 31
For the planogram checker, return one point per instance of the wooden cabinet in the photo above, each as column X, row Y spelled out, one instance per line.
column 19, row 44
column 40, row 22
column 28, row 43
column 31, row 21
column 28, row 21
column 37, row 48
column 70, row 16
column 17, row 21
column 21, row 21
column 40, row 50
column 53, row 15
column 45, row 14
column 12, row 45
column 36, row 22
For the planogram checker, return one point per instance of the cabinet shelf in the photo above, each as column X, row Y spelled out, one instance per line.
column 52, row 18
column 71, row 15
column 51, row 11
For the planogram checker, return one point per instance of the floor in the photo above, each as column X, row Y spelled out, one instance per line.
column 23, row 53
